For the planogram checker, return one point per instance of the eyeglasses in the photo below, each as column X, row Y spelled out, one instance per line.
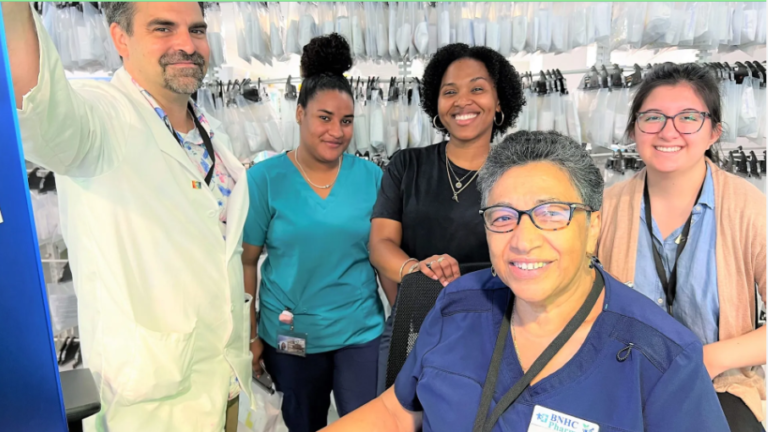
column 686, row 122
column 550, row 216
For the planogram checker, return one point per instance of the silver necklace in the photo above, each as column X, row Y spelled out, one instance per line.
column 450, row 181
column 458, row 180
column 306, row 177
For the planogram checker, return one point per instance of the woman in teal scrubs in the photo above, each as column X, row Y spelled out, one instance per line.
column 320, row 313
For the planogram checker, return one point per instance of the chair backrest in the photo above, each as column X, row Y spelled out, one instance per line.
column 415, row 298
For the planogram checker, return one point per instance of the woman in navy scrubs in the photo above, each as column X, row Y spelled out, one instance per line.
column 546, row 340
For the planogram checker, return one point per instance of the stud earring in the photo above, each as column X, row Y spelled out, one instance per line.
column 493, row 271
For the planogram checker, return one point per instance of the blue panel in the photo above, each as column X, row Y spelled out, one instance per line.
column 30, row 389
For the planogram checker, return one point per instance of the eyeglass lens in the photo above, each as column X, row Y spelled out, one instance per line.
column 545, row 216
column 684, row 122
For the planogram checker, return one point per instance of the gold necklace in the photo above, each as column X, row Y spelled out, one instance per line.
column 306, row 177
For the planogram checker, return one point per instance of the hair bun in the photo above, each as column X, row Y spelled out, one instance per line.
column 328, row 54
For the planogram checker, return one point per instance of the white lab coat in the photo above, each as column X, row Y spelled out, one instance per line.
column 162, row 308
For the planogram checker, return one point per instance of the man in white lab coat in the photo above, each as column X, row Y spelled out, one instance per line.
column 152, row 204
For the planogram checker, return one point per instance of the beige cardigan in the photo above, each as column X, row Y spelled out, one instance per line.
column 740, row 212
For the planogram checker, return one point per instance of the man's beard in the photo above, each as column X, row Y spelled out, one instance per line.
column 183, row 80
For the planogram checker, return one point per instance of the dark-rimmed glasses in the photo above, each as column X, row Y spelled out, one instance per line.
column 550, row 216
column 686, row 122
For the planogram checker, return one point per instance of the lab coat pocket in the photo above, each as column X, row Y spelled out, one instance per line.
column 147, row 365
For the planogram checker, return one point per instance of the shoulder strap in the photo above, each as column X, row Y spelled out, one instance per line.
column 208, row 145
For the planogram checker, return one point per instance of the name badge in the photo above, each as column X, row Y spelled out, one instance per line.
column 293, row 343
column 547, row 420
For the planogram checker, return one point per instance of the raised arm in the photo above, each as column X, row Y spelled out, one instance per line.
column 71, row 132
column 23, row 48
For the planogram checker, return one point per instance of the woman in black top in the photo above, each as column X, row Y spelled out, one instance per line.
column 426, row 216
column 427, row 209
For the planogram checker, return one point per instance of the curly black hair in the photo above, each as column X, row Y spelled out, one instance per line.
column 505, row 78
column 323, row 63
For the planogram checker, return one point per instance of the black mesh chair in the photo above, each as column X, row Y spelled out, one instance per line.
column 415, row 298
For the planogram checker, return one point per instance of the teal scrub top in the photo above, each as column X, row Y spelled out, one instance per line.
column 317, row 263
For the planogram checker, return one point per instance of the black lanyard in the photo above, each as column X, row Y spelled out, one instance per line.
column 206, row 142
column 484, row 422
column 669, row 286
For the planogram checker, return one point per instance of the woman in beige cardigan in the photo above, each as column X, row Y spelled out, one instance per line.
column 691, row 236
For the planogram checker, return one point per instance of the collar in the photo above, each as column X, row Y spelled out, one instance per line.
column 707, row 197
column 197, row 112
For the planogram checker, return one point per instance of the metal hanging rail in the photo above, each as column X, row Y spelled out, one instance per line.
column 297, row 79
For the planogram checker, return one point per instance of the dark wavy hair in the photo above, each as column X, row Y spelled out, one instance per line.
column 704, row 84
column 323, row 63
column 505, row 78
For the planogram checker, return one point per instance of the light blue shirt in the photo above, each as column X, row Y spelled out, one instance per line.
column 317, row 253
column 697, row 305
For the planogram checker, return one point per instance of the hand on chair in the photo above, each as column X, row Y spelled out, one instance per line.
column 443, row 268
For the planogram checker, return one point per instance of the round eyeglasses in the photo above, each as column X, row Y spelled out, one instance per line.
column 550, row 216
column 686, row 122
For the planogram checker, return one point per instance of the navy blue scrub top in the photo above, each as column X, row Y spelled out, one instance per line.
column 661, row 386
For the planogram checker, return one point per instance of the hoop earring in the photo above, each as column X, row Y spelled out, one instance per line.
column 493, row 271
column 502, row 119
column 434, row 120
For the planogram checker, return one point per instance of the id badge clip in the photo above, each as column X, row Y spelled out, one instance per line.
column 291, row 342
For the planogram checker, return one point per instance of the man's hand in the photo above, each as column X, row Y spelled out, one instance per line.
column 257, row 348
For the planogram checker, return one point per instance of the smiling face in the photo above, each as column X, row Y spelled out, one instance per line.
column 539, row 266
column 670, row 151
column 468, row 100
column 325, row 124
column 166, row 47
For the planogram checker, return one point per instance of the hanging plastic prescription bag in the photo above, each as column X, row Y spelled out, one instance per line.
column 266, row 415
column 277, row 33
column 292, row 31
column 362, row 126
column 403, row 120
column 416, row 120
column 480, row 23
column 307, row 24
